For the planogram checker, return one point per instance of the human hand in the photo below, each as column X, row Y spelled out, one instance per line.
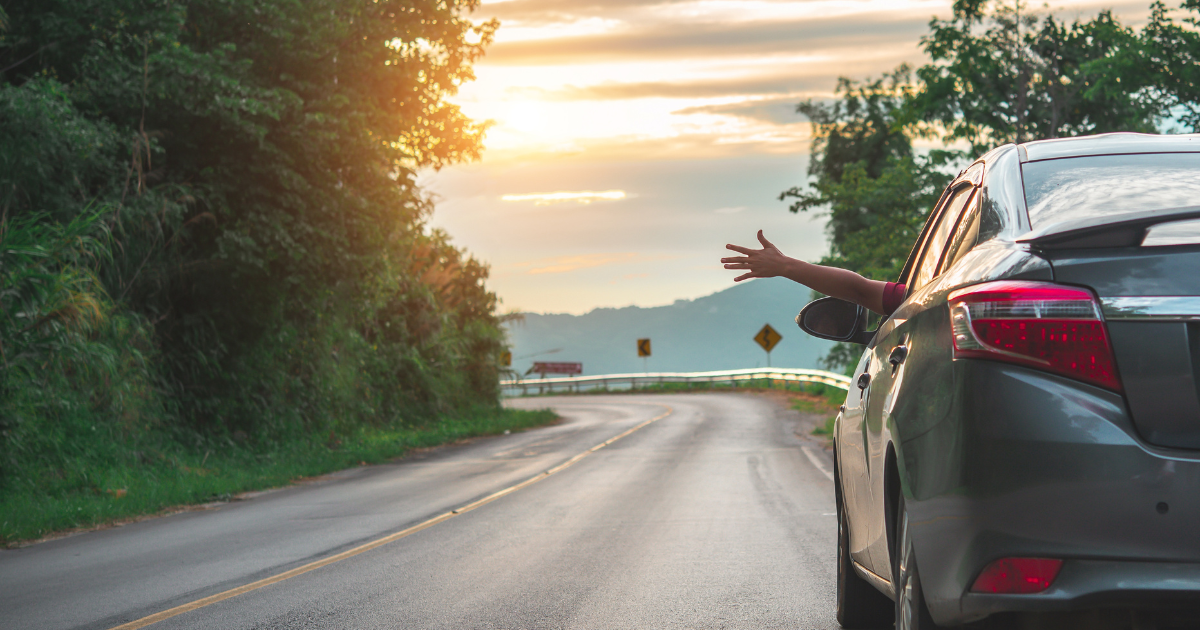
column 767, row 262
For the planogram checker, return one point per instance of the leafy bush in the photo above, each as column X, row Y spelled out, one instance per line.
column 213, row 238
column 77, row 374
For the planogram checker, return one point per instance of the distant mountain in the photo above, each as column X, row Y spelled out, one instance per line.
column 714, row 332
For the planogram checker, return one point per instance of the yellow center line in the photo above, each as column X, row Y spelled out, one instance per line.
column 350, row 553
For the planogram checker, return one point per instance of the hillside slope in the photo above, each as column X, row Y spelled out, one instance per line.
column 714, row 332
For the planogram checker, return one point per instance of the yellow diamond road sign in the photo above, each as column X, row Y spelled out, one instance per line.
column 506, row 358
column 643, row 347
column 767, row 337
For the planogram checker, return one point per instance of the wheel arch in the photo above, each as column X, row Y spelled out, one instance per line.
column 892, row 487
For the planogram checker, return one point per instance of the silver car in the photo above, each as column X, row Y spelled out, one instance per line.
column 1023, row 444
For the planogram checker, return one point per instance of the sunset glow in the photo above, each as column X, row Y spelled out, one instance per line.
column 687, row 109
column 584, row 197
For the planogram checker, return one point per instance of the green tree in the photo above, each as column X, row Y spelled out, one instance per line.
column 998, row 74
column 865, row 175
column 1163, row 66
column 1013, row 76
column 256, row 159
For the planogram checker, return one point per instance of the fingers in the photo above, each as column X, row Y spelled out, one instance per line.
column 744, row 262
column 765, row 243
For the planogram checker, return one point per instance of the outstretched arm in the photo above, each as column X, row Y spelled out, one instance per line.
column 769, row 262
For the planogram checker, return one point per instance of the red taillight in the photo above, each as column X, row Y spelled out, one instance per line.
column 1017, row 576
column 1052, row 327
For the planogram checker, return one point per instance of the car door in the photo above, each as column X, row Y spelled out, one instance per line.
column 852, row 471
column 894, row 343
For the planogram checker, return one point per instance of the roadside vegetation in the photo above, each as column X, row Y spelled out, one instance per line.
column 115, row 477
column 216, row 271
column 809, row 398
column 215, row 268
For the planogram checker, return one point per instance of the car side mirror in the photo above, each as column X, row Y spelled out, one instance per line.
column 835, row 319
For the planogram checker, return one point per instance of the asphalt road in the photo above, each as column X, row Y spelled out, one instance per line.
column 717, row 515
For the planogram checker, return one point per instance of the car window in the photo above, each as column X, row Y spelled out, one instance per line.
column 965, row 237
column 910, row 264
column 1068, row 189
column 1173, row 233
column 938, row 237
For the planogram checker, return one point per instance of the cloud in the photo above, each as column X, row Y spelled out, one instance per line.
column 782, row 83
column 529, row 10
column 540, row 11
column 856, row 33
column 777, row 111
column 582, row 197
column 690, row 29
column 700, row 145
column 564, row 264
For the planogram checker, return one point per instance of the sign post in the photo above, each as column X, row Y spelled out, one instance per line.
column 644, row 351
column 768, row 338
column 544, row 368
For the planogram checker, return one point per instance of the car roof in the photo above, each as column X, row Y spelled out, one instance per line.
column 1109, row 144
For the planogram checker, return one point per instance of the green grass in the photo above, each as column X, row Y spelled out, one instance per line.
column 168, row 474
column 827, row 428
column 823, row 403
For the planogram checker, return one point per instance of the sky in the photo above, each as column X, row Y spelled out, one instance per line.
column 632, row 139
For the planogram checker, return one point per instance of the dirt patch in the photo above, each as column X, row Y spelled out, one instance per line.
column 814, row 413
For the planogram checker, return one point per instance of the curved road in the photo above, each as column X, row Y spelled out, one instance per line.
column 716, row 515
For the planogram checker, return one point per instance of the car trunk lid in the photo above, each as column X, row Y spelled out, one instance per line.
column 1151, row 302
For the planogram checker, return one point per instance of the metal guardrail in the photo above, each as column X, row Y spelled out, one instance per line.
column 630, row 381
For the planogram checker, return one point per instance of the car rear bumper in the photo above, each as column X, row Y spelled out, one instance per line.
column 1100, row 584
column 1033, row 465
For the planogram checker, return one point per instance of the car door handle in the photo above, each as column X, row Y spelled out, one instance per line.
column 864, row 379
column 899, row 353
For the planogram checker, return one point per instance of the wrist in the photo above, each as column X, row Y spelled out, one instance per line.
column 794, row 269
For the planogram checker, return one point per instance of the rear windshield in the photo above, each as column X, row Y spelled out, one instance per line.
column 1077, row 188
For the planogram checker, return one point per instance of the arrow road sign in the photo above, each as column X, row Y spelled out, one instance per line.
column 767, row 337
column 643, row 347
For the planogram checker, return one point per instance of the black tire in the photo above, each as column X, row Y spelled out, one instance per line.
column 859, row 605
column 911, row 612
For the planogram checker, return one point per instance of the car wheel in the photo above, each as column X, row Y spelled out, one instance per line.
column 859, row 605
column 911, row 611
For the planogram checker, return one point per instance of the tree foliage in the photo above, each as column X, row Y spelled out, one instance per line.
column 1013, row 75
column 248, row 167
column 1163, row 65
column 866, row 176
column 874, row 188
column 998, row 74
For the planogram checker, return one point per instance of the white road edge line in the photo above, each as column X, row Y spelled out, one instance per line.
column 300, row 570
column 817, row 463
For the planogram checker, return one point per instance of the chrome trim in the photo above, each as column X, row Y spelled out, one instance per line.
column 881, row 583
column 1176, row 308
